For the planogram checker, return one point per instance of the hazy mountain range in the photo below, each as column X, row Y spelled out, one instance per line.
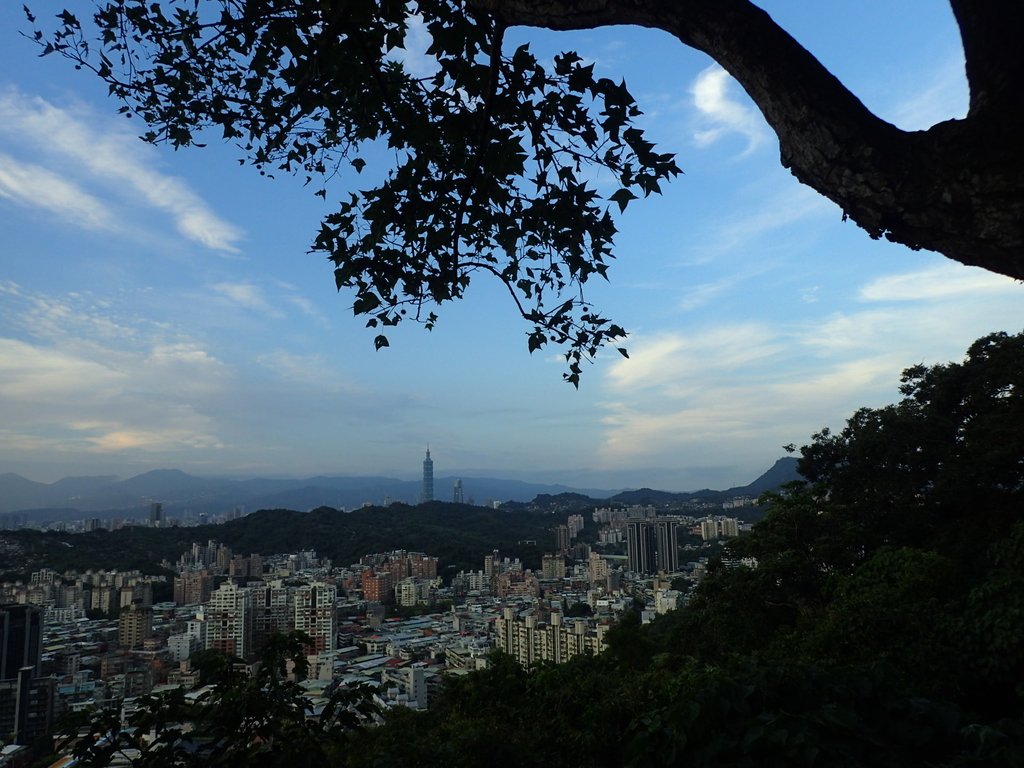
column 180, row 492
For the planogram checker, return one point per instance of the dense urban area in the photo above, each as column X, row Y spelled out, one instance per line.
column 104, row 638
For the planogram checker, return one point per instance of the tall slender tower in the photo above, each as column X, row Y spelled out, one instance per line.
column 457, row 495
column 428, row 478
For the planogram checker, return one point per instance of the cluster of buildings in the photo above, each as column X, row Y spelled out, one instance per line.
column 71, row 641
column 72, row 596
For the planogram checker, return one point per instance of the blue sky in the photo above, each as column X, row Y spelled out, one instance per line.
column 159, row 309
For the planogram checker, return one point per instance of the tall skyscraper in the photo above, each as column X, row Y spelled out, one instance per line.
column 640, row 546
column 667, row 535
column 457, row 496
column 156, row 515
column 26, row 700
column 428, row 478
column 21, row 633
column 653, row 545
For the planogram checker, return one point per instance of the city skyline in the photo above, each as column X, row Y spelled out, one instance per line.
column 159, row 309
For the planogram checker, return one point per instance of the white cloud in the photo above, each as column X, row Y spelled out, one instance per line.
column 30, row 373
column 111, row 154
column 247, row 296
column 82, row 379
column 35, row 186
column 730, row 393
column 941, row 282
column 301, row 369
column 723, row 113
column 677, row 363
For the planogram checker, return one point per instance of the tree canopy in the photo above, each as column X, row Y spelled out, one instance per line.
column 879, row 626
column 491, row 155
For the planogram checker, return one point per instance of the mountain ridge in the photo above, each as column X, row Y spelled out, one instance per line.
column 180, row 492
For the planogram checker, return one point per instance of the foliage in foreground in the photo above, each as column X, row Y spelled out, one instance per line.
column 881, row 627
column 263, row 720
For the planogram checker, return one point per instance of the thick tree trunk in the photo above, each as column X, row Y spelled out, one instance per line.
column 957, row 188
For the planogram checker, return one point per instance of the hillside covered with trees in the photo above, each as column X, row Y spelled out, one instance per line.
column 458, row 534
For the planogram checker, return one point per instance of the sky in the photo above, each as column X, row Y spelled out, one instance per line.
column 160, row 309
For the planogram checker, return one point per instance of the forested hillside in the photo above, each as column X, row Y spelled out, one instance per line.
column 458, row 534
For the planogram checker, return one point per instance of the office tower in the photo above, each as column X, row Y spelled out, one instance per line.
column 26, row 699
column 156, row 515
column 21, row 631
column 26, row 706
column 653, row 545
column 641, row 544
column 457, row 496
column 428, row 479
column 667, row 545
column 562, row 538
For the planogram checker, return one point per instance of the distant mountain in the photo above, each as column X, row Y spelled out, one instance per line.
column 782, row 471
column 180, row 492
column 73, row 487
column 17, row 492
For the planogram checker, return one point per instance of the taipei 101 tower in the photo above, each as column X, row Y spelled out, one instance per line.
column 428, row 478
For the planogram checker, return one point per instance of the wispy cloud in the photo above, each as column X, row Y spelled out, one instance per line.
column 35, row 186
column 270, row 301
column 722, row 113
column 247, row 296
column 944, row 97
column 779, row 210
column 110, row 154
column 81, row 379
column 678, row 364
column 944, row 281
column 698, row 296
column 728, row 392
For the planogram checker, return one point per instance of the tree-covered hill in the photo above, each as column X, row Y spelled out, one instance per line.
column 460, row 535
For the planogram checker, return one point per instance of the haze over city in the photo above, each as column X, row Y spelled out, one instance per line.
column 160, row 309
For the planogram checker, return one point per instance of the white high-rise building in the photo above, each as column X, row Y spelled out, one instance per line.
column 315, row 614
column 229, row 620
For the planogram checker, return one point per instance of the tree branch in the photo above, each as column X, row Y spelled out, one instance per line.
column 990, row 32
column 957, row 188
